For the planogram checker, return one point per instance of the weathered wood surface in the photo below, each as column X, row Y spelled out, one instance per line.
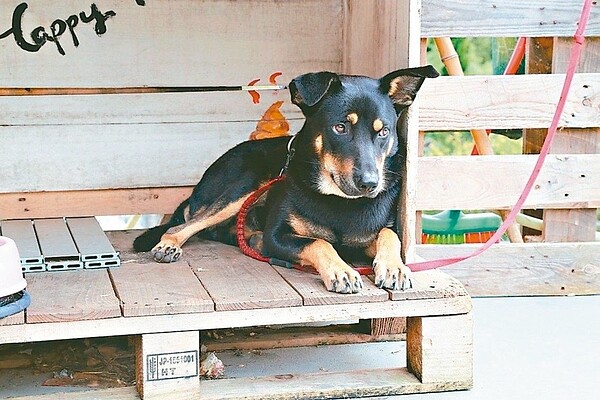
column 530, row 269
column 176, row 42
column 159, row 289
column 71, row 296
column 82, row 203
column 507, row 18
column 15, row 319
column 313, row 292
column 236, row 282
column 579, row 224
column 485, row 102
column 565, row 181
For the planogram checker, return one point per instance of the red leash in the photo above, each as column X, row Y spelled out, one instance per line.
column 251, row 252
column 432, row 264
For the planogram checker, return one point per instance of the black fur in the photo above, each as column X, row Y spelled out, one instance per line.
column 342, row 184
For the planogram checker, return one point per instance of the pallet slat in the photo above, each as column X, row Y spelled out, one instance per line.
column 565, row 181
column 237, row 282
column 71, row 296
column 313, row 290
column 531, row 269
column 534, row 18
column 159, row 289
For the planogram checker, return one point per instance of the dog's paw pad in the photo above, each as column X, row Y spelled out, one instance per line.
column 166, row 254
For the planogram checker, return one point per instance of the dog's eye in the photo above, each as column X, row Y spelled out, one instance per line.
column 339, row 129
column 384, row 132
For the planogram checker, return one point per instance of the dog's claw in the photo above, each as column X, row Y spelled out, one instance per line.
column 165, row 254
column 391, row 274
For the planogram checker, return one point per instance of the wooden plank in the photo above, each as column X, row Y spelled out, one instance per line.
column 440, row 349
column 167, row 364
column 355, row 383
column 22, row 232
column 15, row 319
column 160, row 43
column 530, row 269
column 375, row 36
column 482, row 102
column 565, row 181
column 31, row 332
column 176, row 108
column 313, row 291
column 237, row 282
column 71, row 296
column 508, row 18
column 430, row 285
column 80, row 203
column 575, row 225
column 294, row 336
column 327, row 385
column 159, row 289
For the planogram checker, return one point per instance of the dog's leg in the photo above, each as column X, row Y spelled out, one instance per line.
column 169, row 247
column 336, row 274
column 390, row 271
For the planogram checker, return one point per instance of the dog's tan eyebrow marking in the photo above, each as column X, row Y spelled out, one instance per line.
column 377, row 125
column 319, row 144
column 352, row 118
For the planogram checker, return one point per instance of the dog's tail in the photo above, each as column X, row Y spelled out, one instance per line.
column 147, row 240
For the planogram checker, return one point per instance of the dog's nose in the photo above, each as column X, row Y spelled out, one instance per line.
column 368, row 181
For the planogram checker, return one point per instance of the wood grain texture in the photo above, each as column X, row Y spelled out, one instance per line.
column 15, row 319
column 313, row 291
column 176, row 42
column 82, row 203
column 84, row 295
column 331, row 385
column 576, row 225
column 530, row 269
column 159, row 289
column 237, row 282
column 431, row 284
column 232, row 319
column 372, row 33
column 440, row 349
column 482, row 102
column 507, row 18
column 565, row 181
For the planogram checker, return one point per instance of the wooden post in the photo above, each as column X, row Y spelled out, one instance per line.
column 167, row 365
column 576, row 225
column 440, row 349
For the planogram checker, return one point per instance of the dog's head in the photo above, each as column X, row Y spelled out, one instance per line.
column 351, row 121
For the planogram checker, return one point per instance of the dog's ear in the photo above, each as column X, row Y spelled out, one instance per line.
column 308, row 89
column 402, row 85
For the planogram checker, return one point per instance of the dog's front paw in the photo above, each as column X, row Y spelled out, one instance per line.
column 391, row 273
column 166, row 252
column 342, row 279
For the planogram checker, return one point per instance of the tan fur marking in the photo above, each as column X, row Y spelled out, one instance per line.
column 390, row 147
column 377, row 125
column 178, row 235
column 319, row 144
column 332, row 165
column 352, row 118
column 302, row 227
column 387, row 241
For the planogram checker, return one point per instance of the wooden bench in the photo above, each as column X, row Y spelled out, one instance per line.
column 119, row 154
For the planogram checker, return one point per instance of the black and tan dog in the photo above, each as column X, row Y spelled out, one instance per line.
column 341, row 190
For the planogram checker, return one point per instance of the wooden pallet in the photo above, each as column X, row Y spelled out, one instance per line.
column 214, row 286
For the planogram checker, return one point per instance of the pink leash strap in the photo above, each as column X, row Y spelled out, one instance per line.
column 510, row 219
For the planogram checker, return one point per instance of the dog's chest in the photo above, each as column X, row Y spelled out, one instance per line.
column 352, row 225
